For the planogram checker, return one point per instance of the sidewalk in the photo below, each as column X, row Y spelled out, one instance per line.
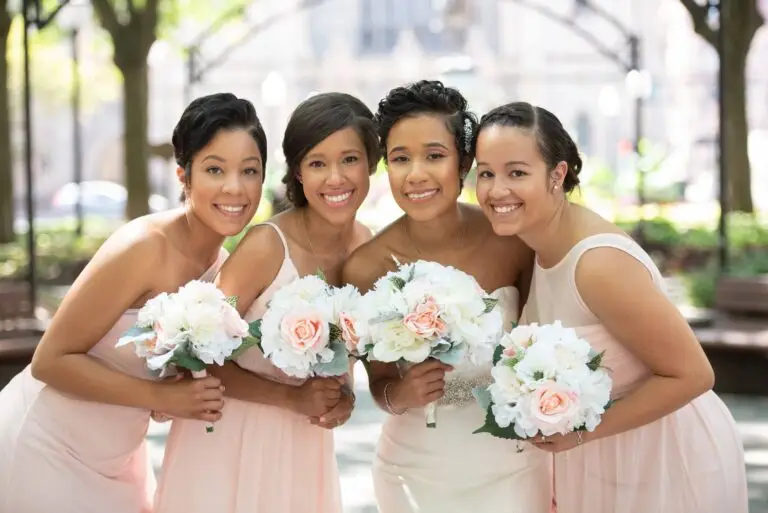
column 356, row 441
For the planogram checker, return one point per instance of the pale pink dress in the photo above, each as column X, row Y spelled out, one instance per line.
column 60, row 454
column 259, row 459
column 690, row 461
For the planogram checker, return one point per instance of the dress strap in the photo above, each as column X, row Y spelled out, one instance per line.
column 622, row 243
column 279, row 234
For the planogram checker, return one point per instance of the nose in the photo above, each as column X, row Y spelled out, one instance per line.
column 499, row 190
column 417, row 173
column 336, row 176
column 232, row 183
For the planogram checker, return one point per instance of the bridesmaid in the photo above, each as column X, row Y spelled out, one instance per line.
column 273, row 449
column 73, row 442
column 668, row 444
column 426, row 133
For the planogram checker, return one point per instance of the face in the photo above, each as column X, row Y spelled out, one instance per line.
column 514, row 184
column 423, row 166
column 334, row 175
column 226, row 181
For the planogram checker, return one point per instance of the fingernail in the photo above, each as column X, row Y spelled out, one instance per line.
column 322, row 419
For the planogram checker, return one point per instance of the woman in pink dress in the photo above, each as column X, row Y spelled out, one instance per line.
column 272, row 451
column 668, row 444
column 72, row 425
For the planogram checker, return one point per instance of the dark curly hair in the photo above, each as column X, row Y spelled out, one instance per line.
column 204, row 118
column 430, row 97
column 553, row 141
column 314, row 120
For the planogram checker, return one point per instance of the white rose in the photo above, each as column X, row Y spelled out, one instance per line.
column 393, row 341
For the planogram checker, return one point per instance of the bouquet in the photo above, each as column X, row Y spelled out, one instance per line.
column 427, row 310
column 192, row 328
column 306, row 329
column 546, row 380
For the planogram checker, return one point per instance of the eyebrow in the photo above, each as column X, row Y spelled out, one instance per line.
column 322, row 155
column 507, row 164
column 428, row 145
column 220, row 159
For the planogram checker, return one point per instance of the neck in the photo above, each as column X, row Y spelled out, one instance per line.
column 550, row 240
column 324, row 236
column 200, row 239
column 444, row 230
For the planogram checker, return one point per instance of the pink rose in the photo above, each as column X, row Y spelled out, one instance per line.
column 234, row 325
column 553, row 408
column 425, row 320
column 510, row 352
column 348, row 332
column 304, row 330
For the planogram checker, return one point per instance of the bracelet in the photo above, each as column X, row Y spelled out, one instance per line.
column 387, row 402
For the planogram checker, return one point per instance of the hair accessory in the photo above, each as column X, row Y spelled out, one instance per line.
column 467, row 135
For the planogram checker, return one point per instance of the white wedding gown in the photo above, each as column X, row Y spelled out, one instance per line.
column 448, row 469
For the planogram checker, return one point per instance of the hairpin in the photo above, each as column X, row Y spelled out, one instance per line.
column 467, row 135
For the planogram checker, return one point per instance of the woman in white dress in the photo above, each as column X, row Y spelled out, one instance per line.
column 426, row 134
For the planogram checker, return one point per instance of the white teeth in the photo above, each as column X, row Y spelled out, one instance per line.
column 505, row 209
column 337, row 198
column 231, row 208
column 422, row 195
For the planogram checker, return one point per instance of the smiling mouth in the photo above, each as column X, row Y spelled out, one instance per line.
column 505, row 209
column 422, row 195
column 338, row 199
column 231, row 210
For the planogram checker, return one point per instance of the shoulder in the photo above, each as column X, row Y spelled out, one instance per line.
column 369, row 261
column 261, row 243
column 142, row 242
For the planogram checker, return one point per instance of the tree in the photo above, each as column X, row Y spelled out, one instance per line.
column 739, row 21
column 6, row 158
column 133, row 30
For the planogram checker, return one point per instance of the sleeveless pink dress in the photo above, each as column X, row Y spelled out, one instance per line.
column 65, row 455
column 690, row 461
column 259, row 459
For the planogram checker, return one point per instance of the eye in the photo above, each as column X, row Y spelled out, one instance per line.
column 350, row 159
column 252, row 171
column 316, row 163
column 214, row 170
column 516, row 173
column 485, row 174
column 399, row 159
column 435, row 156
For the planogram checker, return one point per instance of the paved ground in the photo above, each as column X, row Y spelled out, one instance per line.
column 356, row 440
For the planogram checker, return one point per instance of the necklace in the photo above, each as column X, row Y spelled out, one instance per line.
column 311, row 246
column 416, row 247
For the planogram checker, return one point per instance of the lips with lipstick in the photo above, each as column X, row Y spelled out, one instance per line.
column 337, row 199
column 423, row 195
column 505, row 209
column 231, row 210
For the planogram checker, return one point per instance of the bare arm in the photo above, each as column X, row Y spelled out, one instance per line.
column 118, row 275
column 247, row 272
column 620, row 292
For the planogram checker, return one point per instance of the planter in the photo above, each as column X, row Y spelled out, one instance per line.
column 742, row 296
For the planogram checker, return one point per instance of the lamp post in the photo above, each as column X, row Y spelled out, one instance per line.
column 72, row 18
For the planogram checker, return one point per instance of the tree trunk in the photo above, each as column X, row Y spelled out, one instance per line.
column 735, row 126
column 737, row 42
column 135, row 139
column 6, row 158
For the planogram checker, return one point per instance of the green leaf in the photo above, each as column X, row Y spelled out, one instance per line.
column 232, row 300
column 320, row 274
column 483, row 397
column 248, row 342
column 412, row 273
column 490, row 304
column 493, row 429
column 398, row 282
column 340, row 363
column 335, row 332
column 497, row 353
column 538, row 375
column 182, row 358
column 254, row 328
column 596, row 362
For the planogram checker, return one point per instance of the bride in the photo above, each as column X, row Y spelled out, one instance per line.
column 426, row 132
